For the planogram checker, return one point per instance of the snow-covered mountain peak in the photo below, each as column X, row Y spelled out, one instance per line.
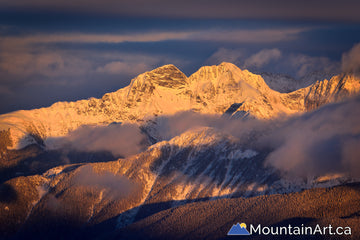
column 226, row 75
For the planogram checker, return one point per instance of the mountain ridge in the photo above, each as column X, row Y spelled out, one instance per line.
column 165, row 91
column 200, row 165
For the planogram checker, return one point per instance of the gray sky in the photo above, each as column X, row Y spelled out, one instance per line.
column 256, row 9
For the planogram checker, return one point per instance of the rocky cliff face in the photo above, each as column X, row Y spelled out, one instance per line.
column 333, row 90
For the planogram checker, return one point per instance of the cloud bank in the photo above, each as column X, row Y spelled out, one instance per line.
column 115, row 186
column 317, row 143
column 168, row 127
column 121, row 140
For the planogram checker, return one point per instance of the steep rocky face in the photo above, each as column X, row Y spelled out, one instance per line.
column 335, row 89
column 166, row 91
column 166, row 76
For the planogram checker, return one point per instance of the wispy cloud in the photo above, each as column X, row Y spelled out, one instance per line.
column 218, row 35
column 113, row 185
column 119, row 67
column 96, row 38
column 233, row 55
column 303, row 64
column 276, row 61
column 263, row 57
column 249, row 35
column 350, row 62
column 119, row 139
column 42, row 62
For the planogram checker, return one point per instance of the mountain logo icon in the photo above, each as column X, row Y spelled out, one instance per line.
column 238, row 229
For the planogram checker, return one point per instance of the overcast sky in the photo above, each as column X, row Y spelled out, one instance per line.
column 57, row 50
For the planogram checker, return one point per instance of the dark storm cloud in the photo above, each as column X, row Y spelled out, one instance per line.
column 276, row 9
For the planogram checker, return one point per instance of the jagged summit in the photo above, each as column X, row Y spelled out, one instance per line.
column 166, row 91
column 166, row 76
